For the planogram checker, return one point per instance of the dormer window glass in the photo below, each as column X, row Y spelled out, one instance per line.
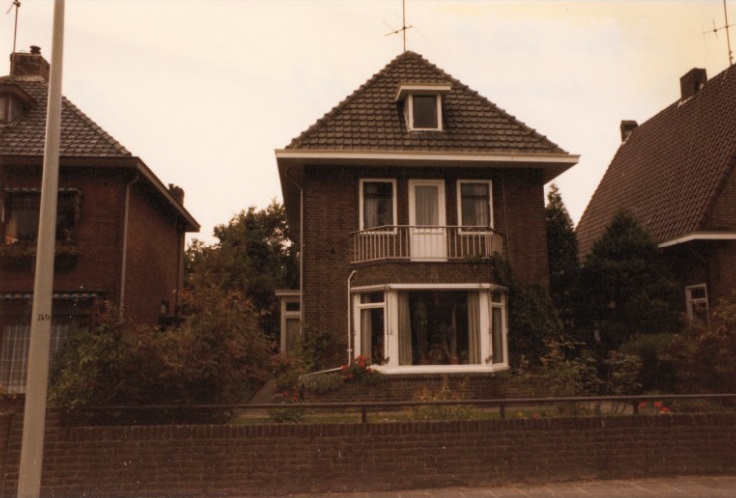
column 424, row 112
column 9, row 108
column 423, row 105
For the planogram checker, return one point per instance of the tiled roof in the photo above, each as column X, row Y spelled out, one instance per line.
column 372, row 120
column 80, row 136
column 671, row 168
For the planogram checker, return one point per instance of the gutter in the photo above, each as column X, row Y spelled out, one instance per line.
column 124, row 262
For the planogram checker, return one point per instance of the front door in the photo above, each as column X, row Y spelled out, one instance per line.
column 428, row 236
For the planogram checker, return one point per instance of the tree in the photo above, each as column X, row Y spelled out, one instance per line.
column 625, row 288
column 562, row 254
column 255, row 256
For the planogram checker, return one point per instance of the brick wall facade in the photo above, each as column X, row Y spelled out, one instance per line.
column 154, row 238
column 331, row 214
column 271, row 460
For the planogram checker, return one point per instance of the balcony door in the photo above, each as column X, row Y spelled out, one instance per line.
column 428, row 235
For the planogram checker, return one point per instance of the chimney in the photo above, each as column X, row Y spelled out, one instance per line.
column 692, row 82
column 30, row 66
column 177, row 193
column 627, row 126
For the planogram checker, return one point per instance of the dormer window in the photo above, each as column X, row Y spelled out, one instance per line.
column 12, row 102
column 423, row 106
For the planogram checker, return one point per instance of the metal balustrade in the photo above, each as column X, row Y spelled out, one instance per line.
column 425, row 243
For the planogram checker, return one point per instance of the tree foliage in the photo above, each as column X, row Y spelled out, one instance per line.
column 532, row 315
column 625, row 287
column 255, row 256
column 562, row 255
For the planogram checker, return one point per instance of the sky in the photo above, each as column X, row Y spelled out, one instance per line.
column 204, row 91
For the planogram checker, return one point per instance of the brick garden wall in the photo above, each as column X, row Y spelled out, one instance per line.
column 279, row 459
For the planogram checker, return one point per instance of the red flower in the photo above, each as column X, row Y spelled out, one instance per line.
column 643, row 404
column 665, row 410
column 657, row 404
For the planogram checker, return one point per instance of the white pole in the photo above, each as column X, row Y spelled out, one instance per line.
column 34, row 418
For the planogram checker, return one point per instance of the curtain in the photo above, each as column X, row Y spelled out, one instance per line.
column 427, row 209
column 366, row 327
column 14, row 353
column 405, row 351
column 473, row 328
column 497, row 334
column 475, row 205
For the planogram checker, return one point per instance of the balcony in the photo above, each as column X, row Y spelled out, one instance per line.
column 425, row 243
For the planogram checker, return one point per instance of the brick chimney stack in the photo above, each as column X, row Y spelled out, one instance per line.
column 177, row 193
column 627, row 126
column 692, row 82
column 29, row 65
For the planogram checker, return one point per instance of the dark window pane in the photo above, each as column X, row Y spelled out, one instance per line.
column 378, row 206
column 425, row 111
column 475, row 204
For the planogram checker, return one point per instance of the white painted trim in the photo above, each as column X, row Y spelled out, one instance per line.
column 416, row 233
column 458, row 195
column 699, row 236
column 461, row 286
column 421, row 89
column 367, row 157
column 409, row 112
column 438, row 369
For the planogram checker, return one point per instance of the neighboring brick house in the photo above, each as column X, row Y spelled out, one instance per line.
column 676, row 173
column 120, row 232
column 399, row 196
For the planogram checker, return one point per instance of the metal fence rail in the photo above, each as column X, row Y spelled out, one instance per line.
column 364, row 407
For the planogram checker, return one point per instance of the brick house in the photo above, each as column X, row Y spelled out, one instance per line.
column 676, row 173
column 400, row 195
column 120, row 231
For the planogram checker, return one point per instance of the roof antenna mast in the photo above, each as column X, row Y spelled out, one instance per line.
column 16, row 4
column 403, row 27
column 725, row 27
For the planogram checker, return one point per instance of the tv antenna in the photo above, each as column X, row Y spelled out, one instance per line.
column 16, row 4
column 403, row 27
column 725, row 27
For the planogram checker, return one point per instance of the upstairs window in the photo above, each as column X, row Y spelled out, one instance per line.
column 696, row 302
column 12, row 102
column 474, row 199
column 21, row 211
column 423, row 105
column 378, row 203
column 425, row 112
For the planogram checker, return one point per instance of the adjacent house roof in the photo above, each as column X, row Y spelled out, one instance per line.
column 671, row 169
column 81, row 138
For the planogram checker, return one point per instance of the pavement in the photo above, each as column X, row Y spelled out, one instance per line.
column 661, row 487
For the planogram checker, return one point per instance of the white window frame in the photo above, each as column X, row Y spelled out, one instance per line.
column 410, row 112
column 459, row 196
column 358, row 332
column 690, row 301
column 500, row 304
column 286, row 298
column 394, row 203
column 391, row 321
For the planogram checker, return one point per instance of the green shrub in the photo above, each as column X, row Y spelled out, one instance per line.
column 321, row 383
column 657, row 372
column 440, row 412
column 703, row 354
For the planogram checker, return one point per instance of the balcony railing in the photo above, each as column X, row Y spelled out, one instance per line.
column 425, row 243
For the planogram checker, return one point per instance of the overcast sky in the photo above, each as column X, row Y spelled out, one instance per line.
column 203, row 91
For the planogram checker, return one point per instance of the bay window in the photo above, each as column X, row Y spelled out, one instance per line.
column 417, row 329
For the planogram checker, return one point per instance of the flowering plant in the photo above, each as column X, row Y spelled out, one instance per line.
column 656, row 408
column 358, row 370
